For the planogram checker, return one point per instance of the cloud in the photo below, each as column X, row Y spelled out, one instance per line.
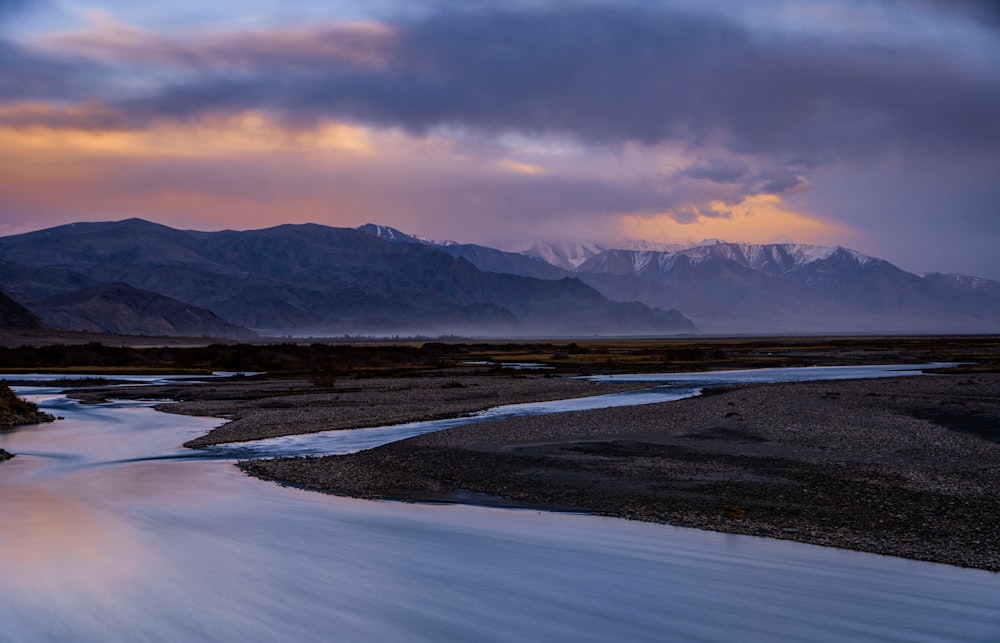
column 261, row 51
column 679, row 114
column 24, row 76
column 758, row 219
column 248, row 167
column 730, row 171
column 12, row 6
column 603, row 75
column 719, row 171
column 600, row 74
column 986, row 11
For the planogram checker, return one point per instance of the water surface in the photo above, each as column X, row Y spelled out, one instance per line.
column 106, row 537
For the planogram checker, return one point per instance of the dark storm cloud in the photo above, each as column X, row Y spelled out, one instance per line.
column 775, row 180
column 719, row 171
column 610, row 75
column 599, row 74
column 986, row 11
column 25, row 75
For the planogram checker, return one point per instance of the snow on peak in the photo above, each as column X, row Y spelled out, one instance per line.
column 775, row 258
column 564, row 254
column 709, row 242
column 391, row 234
column 643, row 245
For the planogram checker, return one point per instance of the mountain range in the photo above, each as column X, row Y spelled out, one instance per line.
column 746, row 288
column 138, row 277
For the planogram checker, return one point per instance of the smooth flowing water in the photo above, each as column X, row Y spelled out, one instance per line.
column 108, row 534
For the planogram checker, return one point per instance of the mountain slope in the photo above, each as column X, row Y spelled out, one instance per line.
column 122, row 309
column 482, row 257
column 14, row 315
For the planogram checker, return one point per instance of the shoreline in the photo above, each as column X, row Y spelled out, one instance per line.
column 901, row 466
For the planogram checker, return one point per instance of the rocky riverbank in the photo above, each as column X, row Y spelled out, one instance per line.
column 905, row 466
column 14, row 411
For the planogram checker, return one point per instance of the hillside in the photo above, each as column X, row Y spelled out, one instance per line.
column 123, row 309
column 14, row 315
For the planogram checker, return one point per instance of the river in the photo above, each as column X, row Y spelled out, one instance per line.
column 111, row 531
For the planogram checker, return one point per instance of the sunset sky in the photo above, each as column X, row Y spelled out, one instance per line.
column 872, row 124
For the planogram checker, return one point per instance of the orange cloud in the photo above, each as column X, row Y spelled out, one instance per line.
column 522, row 168
column 239, row 170
column 93, row 130
column 757, row 219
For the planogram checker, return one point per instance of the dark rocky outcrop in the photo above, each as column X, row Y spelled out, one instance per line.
column 14, row 411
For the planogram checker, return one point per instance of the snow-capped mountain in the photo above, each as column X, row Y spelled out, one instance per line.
column 760, row 288
column 569, row 255
column 390, row 234
column 772, row 259
column 787, row 287
column 564, row 254
column 643, row 245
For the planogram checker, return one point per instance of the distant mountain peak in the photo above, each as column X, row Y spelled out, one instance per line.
column 568, row 255
column 393, row 235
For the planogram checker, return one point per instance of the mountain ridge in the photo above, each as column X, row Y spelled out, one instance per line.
column 774, row 288
column 314, row 280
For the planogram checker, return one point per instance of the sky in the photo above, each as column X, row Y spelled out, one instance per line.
column 870, row 124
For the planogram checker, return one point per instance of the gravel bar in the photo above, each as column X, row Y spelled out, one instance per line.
column 904, row 466
column 273, row 408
